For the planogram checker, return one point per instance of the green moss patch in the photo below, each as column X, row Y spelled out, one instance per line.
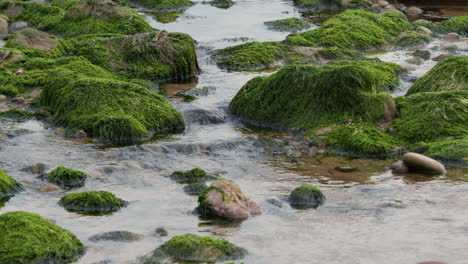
column 288, row 24
column 360, row 139
column 67, row 178
column 16, row 114
column 450, row 74
column 315, row 5
column 165, row 5
column 357, row 29
column 412, row 40
column 191, row 176
column 457, row 24
column 449, row 150
column 8, row 187
column 306, row 196
column 308, row 96
column 92, row 202
column 192, row 248
column 29, row 238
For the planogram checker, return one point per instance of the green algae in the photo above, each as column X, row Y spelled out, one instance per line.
column 457, row 24
column 450, row 74
column 191, row 176
column 289, row 24
column 306, row 196
column 455, row 150
column 67, row 178
column 222, row 3
column 92, row 202
column 16, row 114
column 412, row 40
column 165, row 5
column 8, row 187
column 29, row 238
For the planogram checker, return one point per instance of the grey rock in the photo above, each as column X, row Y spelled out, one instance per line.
column 423, row 164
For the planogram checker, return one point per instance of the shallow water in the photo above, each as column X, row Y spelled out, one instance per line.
column 371, row 216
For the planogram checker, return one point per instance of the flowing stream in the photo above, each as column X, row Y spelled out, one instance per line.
column 371, row 216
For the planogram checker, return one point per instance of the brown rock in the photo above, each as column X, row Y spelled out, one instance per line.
column 3, row 26
column 383, row 3
column 412, row 10
column 49, row 188
column 18, row 99
column 423, row 31
column 399, row 167
column 225, row 199
column 35, row 39
column 13, row 10
column 390, row 110
column 440, row 57
column 452, row 37
column 420, row 163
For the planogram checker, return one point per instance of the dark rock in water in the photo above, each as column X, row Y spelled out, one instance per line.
column 191, row 176
column 37, row 169
column 161, row 231
column 392, row 204
column 275, row 202
column 306, row 196
column 441, row 57
column 195, row 188
column 92, row 202
column 41, row 114
column 121, row 236
column 225, row 199
column 18, row 132
column 424, row 54
column 420, row 163
column 346, row 169
column 103, row 262
column 203, row 117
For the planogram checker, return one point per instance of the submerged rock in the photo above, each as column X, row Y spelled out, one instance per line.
column 16, row 114
column 8, row 187
column 120, row 236
column 67, row 178
column 225, row 199
column 192, row 248
column 195, row 188
column 424, row 54
column 288, row 24
column 160, row 231
column 420, row 163
column 222, row 3
column 27, row 238
column 452, row 37
column 92, row 202
column 306, row 196
column 203, row 117
column 399, row 167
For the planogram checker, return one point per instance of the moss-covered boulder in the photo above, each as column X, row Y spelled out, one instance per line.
column 8, row 187
column 306, row 196
column 457, row 24
column 432, row 116
column 67, row 178
column 28, row 238
column 315, row 5
column 34, row 43
column 360, row 139
column 165, row 5
column 450, row 150
column 356, row 29
column 225, row 199
column 412, row 40
column 449, row 74
column 222, row 3
column 157, row 55
column 16, row 114
column 192, row 248
column 92, row 202
column 308, row 96
column 191, row 176
column 289, row 24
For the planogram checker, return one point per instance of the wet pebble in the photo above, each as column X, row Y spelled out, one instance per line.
column 50, row 188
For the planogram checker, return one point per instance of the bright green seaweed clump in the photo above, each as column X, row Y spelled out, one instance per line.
column 165, row 5
column 457, row 24
column 308, row 96
column 288, row 24
column 449, row 150
column 8, row 187
column 157, row 55
column 92, row 202
column 16, row 114
column 67, row 178
column 191, row 176
column 450, row 74
column 431, row 116
column 360, row 139
column 250, row 56
column 28, row 238
column 192, row 248
column 357, row 29
column 306, row 196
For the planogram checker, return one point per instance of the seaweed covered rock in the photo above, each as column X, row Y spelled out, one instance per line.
column 191, row 176
column 308, row 96
column 28, row 238
column 412, row 40
column 457, row 24
column 195, row 188
column 420, row 163
column 92, row 202
column 192, row 248
column 449, row 74
column 34, row 43
column 356, row 29
column 16, row 114
column 306, row 196
column 225, row 199
column 121, row 236
column 165, row 5
column 432, row 116
column 67, row 178
column 157, row 55
column 73, row 17
column 450, row 150
column 360, row 139
column 8, row 187
column 288, row 24
column 315, row 5
column 222, row 3
column 250, row 56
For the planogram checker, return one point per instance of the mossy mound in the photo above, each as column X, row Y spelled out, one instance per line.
column 157, row 55
column 16, row 114
column 34, row 43
column 306, row 196
column 356, row 29
column 8, row 187
column 67, row 178
column 432, row 116
column 192, row 248
column 449, row 150
column 77, row 17
column 360, row 139
column 92, row 202
column 288, row 24
column 315, row 5
column 412, row 40
column 457, row 24
column 222, row 3
column 195, row 188
column 29, row 238
column 165, row 5
column 449, row 74
column 191, row 176
column 250, row 56
column 308, row 96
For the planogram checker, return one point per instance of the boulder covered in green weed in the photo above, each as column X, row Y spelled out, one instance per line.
column 191, row 176
column 67, row 178
column 8, row 186
column 288, row 24
column 165, row 5
column 16, row 114
column 306, row 196
column 92, row 202
column 28, row 238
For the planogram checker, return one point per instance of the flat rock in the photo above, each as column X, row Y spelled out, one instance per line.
column 452, row 37
column 15, row 27
column 50, row 188
column 420, row 163
column 121, row 236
